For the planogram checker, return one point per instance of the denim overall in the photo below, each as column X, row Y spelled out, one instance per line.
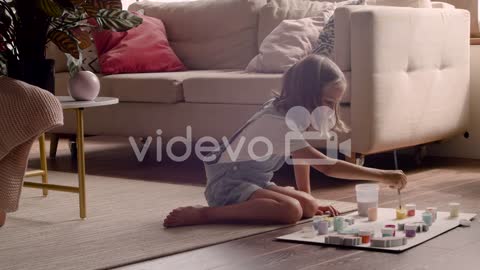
column 234, row 182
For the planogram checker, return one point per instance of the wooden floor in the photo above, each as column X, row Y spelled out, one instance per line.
column 435, row 183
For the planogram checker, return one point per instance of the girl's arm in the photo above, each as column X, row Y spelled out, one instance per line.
column 345, row 170
column 302, row 177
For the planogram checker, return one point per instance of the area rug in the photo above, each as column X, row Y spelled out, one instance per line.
column 123, row 225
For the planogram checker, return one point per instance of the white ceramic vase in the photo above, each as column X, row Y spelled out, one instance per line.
column 84, row 86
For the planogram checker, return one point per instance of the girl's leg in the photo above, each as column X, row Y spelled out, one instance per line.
column 3, row 217
column 309, row 204
column 264, row 206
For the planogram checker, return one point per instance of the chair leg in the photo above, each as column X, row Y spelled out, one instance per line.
column 43, row 162
column 54, row 138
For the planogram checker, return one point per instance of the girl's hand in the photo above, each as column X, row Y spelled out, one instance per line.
column 395, row 179
column 322, row 210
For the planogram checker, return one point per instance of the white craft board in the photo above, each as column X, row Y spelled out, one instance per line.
column 387, row 216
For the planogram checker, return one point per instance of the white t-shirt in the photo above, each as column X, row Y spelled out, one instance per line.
column 265, row 137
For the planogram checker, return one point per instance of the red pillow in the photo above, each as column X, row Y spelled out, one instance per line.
column 141, row 49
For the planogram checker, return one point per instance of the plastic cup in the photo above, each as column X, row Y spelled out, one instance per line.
column 367, row 197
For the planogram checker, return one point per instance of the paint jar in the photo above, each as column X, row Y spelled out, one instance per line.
column 410, row 230
column 349, row 221
column 411, row 207
column 427, row 218
column 367, row 197
column 366, row 236
column 338, row 224
column 401, row 213
column 454, row 209
column 372, row 214
column 432, row 210
column 387, row 232
column 322, row 227
column 391, row 226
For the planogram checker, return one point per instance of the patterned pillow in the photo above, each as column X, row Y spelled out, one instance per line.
column 326, row 40
column 90, row 60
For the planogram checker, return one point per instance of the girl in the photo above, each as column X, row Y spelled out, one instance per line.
column 239, row 187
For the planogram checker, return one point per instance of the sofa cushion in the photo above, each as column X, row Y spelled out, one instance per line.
column 272, row 14
column 124, row 52
column 287, row 44
column 197, row 86
column 235, row 87
column 209, row 34
column 162, row 87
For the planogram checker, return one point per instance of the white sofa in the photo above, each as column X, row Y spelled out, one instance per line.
column 408, row 70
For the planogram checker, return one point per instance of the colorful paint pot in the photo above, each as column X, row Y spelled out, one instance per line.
column 386, row 232
column 411, row 207
column 410, row 230
column 321, row 227
column 391, row 226
column 338, row 224
column 366, row 236
column 432, row 210
column 454, row 209
column 401, row 213
column 427, row 217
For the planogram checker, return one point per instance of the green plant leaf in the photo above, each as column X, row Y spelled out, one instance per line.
column 64, row 42
column 74, row 64
column 83, row 37
column 92, row 7
column 51, row 8
column 117, row 20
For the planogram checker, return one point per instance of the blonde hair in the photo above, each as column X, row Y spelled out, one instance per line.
column 305, row 82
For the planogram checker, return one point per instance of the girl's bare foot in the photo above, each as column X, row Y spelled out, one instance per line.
column 184, row 216
column 3, row 217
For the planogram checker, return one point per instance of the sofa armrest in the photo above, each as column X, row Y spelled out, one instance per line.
column 410, row 76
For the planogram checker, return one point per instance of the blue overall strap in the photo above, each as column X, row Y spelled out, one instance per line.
column 223, row 147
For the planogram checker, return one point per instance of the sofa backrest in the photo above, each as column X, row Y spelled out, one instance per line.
column 209, row 34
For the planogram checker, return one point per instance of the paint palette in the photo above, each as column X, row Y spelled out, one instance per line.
column 386, row 216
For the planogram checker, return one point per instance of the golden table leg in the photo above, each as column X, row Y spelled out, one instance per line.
column 43, row 162
column 81, row 163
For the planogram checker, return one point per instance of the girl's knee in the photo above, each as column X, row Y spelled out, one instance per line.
column 309, row 207
column 291, row 211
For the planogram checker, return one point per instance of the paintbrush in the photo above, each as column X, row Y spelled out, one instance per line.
column 399, row 199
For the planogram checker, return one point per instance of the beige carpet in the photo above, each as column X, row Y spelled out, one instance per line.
column 124, row 225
